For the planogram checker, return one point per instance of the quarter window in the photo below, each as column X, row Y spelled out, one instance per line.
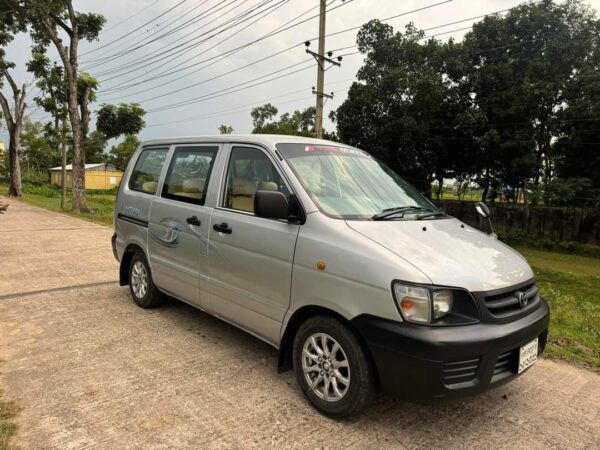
column 146, row 172
column 250, row 170
column 189, row 171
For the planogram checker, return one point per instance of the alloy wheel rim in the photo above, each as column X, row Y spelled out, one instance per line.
column 325, row 367
column 139, row 279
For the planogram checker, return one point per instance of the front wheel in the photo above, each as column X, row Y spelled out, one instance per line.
column 332, row 367
column 141, row 286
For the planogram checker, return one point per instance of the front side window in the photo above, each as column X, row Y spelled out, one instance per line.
column 250, row 170
column 189, row 172
column 348, row 183
column 147, row 170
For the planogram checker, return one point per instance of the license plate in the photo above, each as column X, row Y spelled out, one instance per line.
column 528, row 355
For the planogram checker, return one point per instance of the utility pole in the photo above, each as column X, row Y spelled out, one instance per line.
column 321, row 60
column 320, row 71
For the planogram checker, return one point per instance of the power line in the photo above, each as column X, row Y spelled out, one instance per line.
column 130, row 17
column 241, row 86
column 227, row 53
column 171, row 70
column 254, row 103
column 112, row 54
column 134, row 30
column 180, row 49
column 140, row 61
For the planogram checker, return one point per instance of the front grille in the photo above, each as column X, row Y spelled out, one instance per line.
column 507, row 303
column 457, row 372
column 506, row 365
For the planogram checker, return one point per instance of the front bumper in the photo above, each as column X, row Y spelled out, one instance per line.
column 418, row 362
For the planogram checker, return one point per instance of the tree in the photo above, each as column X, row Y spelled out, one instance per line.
column 94, row 148
column 407, row 108
column 126, row 118
column 521, row 88
column 50, row 23
column 121, row 153
column 577, row 149
column 37, row 151
column 13, row 117
column 225, row 129
column 53, row 99
column 299, row 123
column 14, row 123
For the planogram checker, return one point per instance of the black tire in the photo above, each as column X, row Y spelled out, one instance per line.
column 362, row 387
column 152, row 297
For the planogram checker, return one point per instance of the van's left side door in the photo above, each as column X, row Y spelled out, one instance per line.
column 179, row 223
column 250, row 258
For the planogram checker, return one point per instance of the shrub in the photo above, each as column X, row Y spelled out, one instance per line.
column 569, row 247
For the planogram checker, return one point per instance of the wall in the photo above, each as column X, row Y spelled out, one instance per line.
column 55, row 178
column 93, row 179
column 559, row 224
column 102, row 180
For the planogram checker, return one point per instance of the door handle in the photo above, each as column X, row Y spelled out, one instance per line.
column 222, row 228
column 193, row 221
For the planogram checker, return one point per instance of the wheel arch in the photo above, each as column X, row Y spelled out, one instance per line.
column 285, row 361
column 130, row 250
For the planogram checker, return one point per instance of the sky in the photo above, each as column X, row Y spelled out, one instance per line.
column 160, row 53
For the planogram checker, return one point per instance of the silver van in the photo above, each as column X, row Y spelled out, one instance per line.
column 323, row 252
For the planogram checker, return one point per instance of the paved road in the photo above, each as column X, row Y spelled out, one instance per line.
column 91, row 370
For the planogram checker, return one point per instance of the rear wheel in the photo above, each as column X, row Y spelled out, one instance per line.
column 141, row 286
column 332, row 367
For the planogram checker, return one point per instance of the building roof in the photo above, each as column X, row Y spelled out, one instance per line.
column 87, row 166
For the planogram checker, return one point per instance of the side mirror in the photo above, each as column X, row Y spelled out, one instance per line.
column 483, row 210
column 271, row 205
column 485, row 214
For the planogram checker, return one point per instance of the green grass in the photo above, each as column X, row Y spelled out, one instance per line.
column 8, row 412
column 571, row 285
column 47, row 196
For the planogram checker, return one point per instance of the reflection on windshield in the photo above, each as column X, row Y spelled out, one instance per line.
column 348, row 183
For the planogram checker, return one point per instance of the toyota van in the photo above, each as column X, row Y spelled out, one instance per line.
column 320, row 250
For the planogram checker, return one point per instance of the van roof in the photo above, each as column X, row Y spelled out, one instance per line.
column 264, row 139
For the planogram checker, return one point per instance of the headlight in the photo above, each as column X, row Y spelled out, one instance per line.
column 422, row 305
column 442, row 303
column 414, row 303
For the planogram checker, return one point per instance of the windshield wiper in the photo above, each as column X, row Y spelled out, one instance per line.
column 431, row 214
column 393, row 211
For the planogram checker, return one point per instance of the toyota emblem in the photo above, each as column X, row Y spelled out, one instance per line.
column 523, row 299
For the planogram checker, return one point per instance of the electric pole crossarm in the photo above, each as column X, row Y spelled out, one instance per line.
column 322, row 58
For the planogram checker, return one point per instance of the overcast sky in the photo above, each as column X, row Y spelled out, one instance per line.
column 148, row 48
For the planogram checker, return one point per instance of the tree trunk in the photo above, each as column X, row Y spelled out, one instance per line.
column 78, row 172
column 63, row 168
column 14, row 165
column 526, row 202
column 438, row 191
column 14, row 123
column 486, row 185
column 68, row 55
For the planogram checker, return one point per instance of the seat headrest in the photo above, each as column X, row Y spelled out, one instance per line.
column 193, row 185
column 243, row 187
column 267, row 186
column 149, row 186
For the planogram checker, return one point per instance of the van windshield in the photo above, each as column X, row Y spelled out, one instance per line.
column 348, row 183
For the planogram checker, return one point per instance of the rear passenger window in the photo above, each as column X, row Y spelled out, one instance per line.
column 189, row 171
column 146, row 172
column 250, row 170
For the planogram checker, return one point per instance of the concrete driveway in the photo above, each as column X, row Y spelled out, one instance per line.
column 91, row 370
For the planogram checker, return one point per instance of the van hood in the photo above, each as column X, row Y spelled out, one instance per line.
column 449, row 252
